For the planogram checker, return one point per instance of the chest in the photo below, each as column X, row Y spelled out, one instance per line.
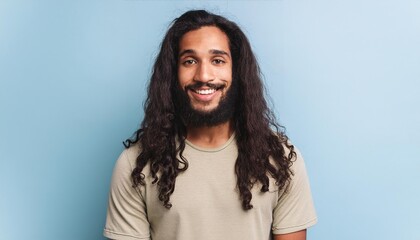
column 206, row 195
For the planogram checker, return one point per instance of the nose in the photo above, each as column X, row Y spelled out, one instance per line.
column 204, row 72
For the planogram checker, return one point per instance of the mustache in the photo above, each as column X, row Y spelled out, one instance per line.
column 198, row 85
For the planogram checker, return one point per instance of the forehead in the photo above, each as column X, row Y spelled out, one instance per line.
column 204, row 39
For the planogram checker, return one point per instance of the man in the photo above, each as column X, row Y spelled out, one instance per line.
column 208, row 161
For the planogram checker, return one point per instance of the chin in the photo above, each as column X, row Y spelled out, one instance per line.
column 204, row 109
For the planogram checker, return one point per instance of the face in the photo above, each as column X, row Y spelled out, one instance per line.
column 205, row 67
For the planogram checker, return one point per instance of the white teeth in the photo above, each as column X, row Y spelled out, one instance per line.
column 206, row 91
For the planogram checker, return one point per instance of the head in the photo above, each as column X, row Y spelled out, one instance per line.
column 205, row 95
column 201, row 68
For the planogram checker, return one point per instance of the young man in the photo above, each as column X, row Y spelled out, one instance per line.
column 209, row 161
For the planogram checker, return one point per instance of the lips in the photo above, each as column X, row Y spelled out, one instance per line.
column 204, row 91
column 204, row 95
column 205, row 86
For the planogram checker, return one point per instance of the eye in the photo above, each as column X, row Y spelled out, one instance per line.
column 218, row 61
column 189, row 62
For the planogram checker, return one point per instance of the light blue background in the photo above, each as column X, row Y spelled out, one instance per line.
column 344, row 77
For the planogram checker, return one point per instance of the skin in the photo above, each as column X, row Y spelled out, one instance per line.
column 205, row 56
column 300, row 235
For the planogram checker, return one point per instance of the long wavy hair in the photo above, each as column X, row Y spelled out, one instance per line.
column 261, row 141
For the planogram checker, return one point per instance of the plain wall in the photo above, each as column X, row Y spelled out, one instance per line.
column 343, row 76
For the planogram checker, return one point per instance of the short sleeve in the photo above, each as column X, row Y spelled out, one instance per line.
column 295, row 210
column 126, row 217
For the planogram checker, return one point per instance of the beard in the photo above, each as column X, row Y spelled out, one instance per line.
column 195, row 118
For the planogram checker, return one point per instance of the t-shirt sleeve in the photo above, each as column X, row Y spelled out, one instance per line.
column 295, row 210
column 126, row 217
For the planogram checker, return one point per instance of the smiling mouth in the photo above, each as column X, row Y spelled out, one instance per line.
column 204, row 91
column 208, row 89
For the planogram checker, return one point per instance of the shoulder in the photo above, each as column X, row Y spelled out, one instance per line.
column 127, row 160
column 298, row 163
column 291, row 151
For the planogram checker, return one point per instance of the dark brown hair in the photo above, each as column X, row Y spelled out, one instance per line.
column 258, row 135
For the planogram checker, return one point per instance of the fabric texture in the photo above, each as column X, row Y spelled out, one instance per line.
column 205, row 203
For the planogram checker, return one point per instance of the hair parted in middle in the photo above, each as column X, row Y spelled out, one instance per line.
column 258, row 136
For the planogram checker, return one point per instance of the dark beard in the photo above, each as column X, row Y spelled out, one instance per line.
column 195, row 118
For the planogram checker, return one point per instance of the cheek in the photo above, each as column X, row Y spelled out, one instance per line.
column 226, row 75
column 184, row 77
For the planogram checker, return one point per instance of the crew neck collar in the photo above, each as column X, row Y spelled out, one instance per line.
column 226, row 144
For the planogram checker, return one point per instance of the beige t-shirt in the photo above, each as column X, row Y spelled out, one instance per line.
column 205, row 203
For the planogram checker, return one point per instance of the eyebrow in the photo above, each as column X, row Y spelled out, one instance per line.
column 218, row 52
column 212, row 51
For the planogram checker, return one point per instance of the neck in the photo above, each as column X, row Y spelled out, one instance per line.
column 210, row 137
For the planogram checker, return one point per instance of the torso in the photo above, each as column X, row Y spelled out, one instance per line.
column 206, row 200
